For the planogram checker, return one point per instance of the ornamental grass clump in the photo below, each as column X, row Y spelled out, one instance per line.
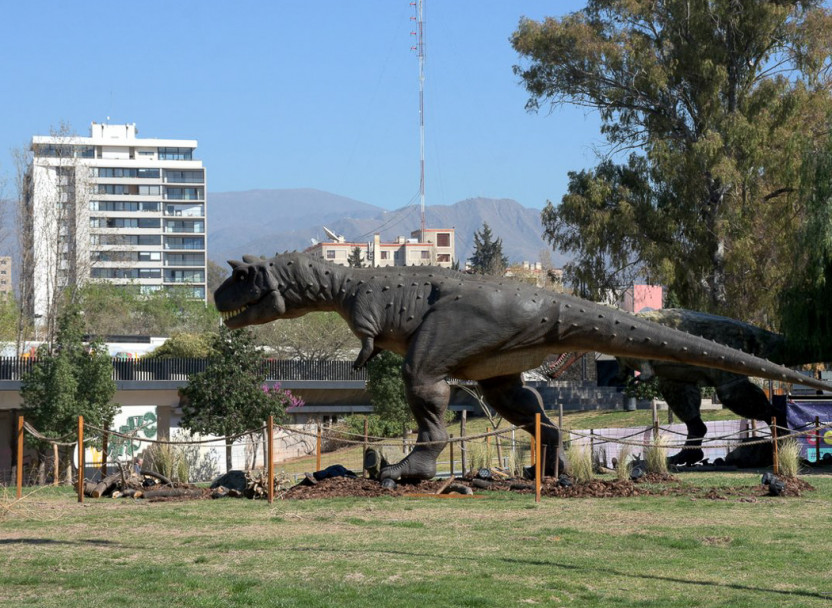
column 481, row 454
column 517, row 459
column 624, row 463
column 167, row 459
column 655, row 455
column 788, row 458
column 579, row 457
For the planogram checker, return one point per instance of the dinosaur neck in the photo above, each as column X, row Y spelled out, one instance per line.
column 308, row 285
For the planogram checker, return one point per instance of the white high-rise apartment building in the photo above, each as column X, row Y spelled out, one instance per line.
column 117, row 208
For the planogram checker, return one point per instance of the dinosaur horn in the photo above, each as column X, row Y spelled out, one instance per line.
column 250, row 259
column 234, row 263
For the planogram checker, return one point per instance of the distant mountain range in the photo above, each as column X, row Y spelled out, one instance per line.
column 263, row 222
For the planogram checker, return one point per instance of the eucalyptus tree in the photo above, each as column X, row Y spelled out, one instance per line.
column 714, row 102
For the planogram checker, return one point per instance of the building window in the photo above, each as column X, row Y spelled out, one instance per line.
column 184, row 194
column 425, row 255
column 123, row 172
column 443, row 257
column 185, row 177
column 330, row 254
column 184, row 242
column 176, row 154
column 385, row 255
column 443, row 239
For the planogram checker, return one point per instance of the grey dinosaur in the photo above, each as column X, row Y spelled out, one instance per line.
column 448, row 324
column 680, row 385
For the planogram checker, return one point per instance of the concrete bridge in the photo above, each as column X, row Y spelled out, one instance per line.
column 148, row 390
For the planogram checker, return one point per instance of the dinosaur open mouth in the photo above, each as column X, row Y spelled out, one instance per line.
column 230, row 314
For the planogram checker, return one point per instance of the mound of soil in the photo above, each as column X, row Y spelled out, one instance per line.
column 651, row 485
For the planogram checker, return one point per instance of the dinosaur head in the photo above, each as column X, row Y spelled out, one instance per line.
column 250, row 296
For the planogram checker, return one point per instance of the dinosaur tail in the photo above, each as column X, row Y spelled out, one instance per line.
column 596, row 327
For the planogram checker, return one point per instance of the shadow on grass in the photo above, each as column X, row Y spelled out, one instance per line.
column 599, row 571
column 52, row 541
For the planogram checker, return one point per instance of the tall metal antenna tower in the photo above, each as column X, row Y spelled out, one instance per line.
column 419, row 8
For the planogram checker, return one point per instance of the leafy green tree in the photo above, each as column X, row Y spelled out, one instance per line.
column 120, row 309
column 715, row 99
column 488, row 255
column 316, row 336
column 9, row 314
column 216, row 275
column 386, row 388
column 805, row 317
column 355, row 260
column 185, row 346
column 231, row 397
column 70, row 379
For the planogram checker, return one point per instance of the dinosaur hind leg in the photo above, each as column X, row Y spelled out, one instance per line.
column 428, row 401
column 518, row 404
column 685, row 400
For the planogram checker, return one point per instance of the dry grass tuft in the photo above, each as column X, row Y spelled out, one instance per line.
column 579, row 457
column 788, row 458
column 655, row 455
column 624, row 463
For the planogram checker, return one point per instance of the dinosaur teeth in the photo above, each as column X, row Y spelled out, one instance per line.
column 228, row 314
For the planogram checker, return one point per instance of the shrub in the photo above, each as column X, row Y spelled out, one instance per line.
column 579, row 457
column 655, row 455
column 166, row 459
column 788, row 458
column 624, row 463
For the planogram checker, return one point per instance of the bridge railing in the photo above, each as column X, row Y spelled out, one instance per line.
column 150, row 370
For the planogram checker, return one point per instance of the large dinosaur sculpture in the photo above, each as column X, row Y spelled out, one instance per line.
column 447, row 324
column 680, row 385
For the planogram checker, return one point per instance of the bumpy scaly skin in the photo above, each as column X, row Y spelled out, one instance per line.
column 680, row 384
column 448, row 324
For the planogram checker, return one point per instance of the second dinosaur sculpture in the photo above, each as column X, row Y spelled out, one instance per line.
column 680, row 385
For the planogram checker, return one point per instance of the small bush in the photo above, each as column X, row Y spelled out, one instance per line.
column 788, row 458
column 624, row 463
column 579, row 457
column 166, row 459
column 480, row 454
column 518, row 459
column 655, row 455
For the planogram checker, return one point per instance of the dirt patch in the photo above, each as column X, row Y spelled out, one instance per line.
column 652, row 485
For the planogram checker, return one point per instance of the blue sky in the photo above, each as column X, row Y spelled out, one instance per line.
column 303, row 93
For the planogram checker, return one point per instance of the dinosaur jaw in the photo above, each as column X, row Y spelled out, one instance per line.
column 266, row 309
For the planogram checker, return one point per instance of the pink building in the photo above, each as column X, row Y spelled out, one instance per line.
column 642, row 297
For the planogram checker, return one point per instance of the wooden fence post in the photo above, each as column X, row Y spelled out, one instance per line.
column 538, row 457
column 80, row 459
column 19, row 456
column 105, row 440
column 56, row 465
column 366, row 445
column 451, row 445
column 270, row 452
column 463, row 448
column 817, row 439
column 318, row 449
column 774, row 439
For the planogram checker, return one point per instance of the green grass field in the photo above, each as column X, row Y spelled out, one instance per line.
column 494, row 551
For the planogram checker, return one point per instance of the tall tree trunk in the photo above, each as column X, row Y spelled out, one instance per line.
column 716, row 278
column 228, row 464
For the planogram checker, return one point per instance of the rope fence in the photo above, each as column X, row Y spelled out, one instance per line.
column 512, row 448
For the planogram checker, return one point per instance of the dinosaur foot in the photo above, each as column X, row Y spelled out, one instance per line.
column 417, row 465
column 686, row 457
